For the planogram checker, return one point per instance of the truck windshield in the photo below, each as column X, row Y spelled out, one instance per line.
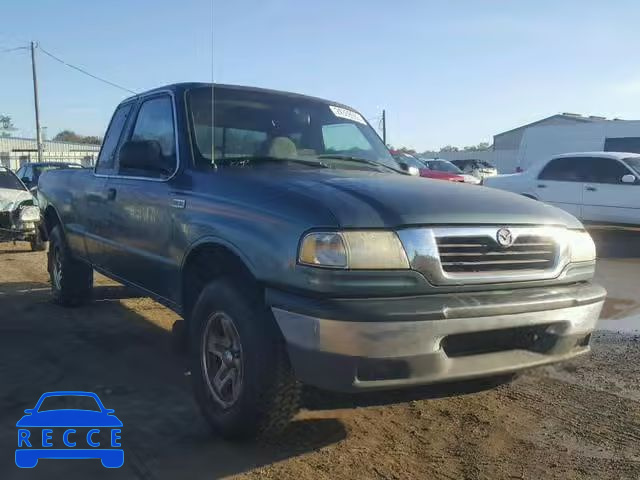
column 261, row 124
column 9, row 180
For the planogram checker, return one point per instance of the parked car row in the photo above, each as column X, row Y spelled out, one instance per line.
column 436, row 168
column 596, row 187
column 481, row 169
column 299, row 251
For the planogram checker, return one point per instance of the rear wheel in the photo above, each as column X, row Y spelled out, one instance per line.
column 240, row 371
column 71, row 279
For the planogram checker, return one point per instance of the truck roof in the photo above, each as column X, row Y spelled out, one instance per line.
column 179, row 88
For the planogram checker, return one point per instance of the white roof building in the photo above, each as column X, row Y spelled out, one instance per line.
column 15, row 151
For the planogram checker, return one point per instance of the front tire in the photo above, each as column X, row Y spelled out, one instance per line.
column 241, row 375
column 71, row 279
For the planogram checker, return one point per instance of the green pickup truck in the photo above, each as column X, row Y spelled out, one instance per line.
column 298, row 252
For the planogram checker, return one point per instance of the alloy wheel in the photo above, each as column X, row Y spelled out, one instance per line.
column 222, row 359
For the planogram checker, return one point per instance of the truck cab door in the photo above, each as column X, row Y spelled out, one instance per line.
column 139, row 210
column 95, row 198
column 561, row 183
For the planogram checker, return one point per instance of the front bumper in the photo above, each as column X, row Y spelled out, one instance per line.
column 370, row 344
column 12, row 229
column 24, row 233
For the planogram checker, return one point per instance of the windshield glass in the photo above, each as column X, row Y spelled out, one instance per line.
column 442, row 166
column 254, row 123
column 9, row 180
column 634, row 163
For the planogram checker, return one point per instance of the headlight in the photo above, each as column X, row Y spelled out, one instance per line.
column 582, row 247
column 29, row 214
column 372, row 250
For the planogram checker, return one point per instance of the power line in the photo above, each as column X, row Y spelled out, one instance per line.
column 13, row 49
column 81, row 70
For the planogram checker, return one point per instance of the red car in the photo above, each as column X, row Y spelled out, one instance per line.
column 423, row 167
column 442, row 170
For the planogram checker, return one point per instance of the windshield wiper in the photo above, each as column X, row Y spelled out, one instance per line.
column 366, row 161
column 270, row 158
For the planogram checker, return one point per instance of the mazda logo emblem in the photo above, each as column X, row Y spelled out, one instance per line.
column 504, row 237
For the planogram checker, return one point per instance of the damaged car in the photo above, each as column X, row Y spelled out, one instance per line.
column 19, row 213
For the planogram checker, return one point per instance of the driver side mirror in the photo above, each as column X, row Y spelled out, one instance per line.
column 143, row 156
column 628, row 178
column 29, row 411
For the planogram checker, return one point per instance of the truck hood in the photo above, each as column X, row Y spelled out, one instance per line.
column 10, row 198
column 360, row 199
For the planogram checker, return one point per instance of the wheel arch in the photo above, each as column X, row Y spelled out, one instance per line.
column 51, row 218
column 208, row 259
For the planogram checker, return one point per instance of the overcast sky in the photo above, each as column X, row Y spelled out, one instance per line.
column 446, row 72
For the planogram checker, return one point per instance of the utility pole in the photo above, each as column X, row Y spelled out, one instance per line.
column 384, row 126
column 35, row 100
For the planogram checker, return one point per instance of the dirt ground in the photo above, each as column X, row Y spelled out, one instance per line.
column 579, row 420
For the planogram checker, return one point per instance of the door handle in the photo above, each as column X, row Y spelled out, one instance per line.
column 111, row 194
column 590, row 189
column 542, row 185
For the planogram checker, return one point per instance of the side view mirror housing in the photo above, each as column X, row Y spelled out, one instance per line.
column 628, row 178
column 29, row 411
column 109, row 411
column 143, row 156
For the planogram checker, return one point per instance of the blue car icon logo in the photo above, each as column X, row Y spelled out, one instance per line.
column 69, row 425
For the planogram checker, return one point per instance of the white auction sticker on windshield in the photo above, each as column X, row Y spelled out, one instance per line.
column 348, row 114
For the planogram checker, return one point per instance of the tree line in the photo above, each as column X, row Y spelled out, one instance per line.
column 447, row 148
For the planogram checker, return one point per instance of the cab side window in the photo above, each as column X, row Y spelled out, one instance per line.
column 106, row 158
column 153, row 136
column 566, row 169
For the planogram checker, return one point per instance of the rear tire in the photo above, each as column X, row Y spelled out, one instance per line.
column 261, row 394
column 71, row 279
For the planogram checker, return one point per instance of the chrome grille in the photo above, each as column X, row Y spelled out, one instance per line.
column 467, row 255
column 476, row 254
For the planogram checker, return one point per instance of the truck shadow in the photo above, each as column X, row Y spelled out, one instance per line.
column 315, row 399
column 115, row 349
